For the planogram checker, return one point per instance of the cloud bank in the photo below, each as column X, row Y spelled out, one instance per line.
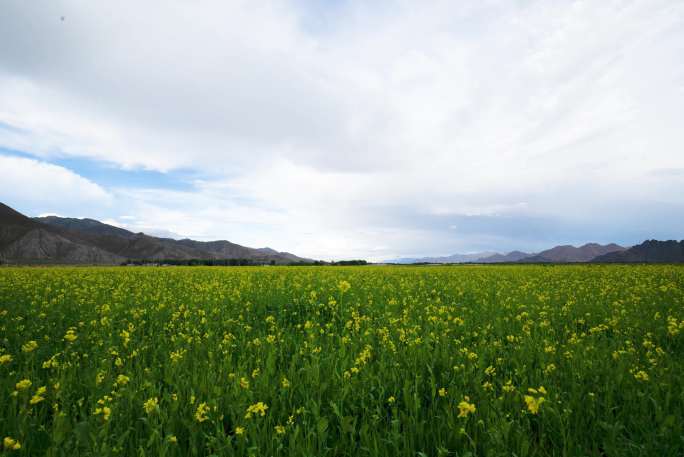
column 347, row 130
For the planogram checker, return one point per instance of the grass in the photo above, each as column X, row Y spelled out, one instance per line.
column 357, row 361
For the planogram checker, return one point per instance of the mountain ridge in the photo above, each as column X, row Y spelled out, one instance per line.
column 453, row 258
column 569, row 254
column 650, row 251
column 54, row 239
column 557, row 254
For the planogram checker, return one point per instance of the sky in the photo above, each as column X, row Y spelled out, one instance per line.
column 339, row 129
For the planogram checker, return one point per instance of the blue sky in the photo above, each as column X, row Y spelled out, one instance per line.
column 346, row 129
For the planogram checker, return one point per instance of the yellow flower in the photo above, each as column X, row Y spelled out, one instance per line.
column 5, row 359
column 465, row 407
column 177, row 356
column 201, row 413
column 344, row 286
column 244, row 383
column 126, row 336
column 71, row 336
column 23, row 384
column 285, row 383
column 641, row 375
column 172, row 439
column 442, row 392
column 29, row 346
column 391, row 400
column 11, row 444
column 280, row 430
column 257, row 408
column 105, row 411
column 533, row 403
column 151, row 405
column 239, row 430
column 122, row 380
column 38, row 397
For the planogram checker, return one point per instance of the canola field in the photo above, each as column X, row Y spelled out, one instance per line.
column 342, row 361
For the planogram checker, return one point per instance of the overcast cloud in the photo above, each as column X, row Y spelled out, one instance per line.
column 349, row 129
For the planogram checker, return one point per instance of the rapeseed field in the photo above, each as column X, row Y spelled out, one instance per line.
column 342, row 361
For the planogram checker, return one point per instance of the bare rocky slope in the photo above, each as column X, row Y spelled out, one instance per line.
column 55, row 239
column 651, row 251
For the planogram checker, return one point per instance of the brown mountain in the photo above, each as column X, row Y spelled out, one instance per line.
column 651, row 251
column 55, row 239
column 568, row 253
column 23, row 240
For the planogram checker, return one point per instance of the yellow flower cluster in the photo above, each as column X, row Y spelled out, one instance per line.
column 202, row 412
column 465, row 407
column 534, row 403
column 30, row 346
column 641, row 375
column 70, row 335
column 103, row 409
column 258, row 408
column 11, row 444
column 344, row 286
column 23, row 384
column 39, row 395
column 151, row 405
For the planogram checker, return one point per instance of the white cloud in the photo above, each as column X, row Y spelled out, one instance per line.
column 29, row 183
column 351, row 125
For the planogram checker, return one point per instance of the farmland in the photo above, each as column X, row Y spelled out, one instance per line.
column 356, row 361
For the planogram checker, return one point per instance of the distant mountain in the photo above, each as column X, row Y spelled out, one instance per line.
column 513, row 256
column 568, row 253
column 651, row 251
column 454, row 258
column 55, row 239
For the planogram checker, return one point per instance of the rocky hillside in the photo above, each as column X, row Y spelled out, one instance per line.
column 651, row 251
column 55, row 239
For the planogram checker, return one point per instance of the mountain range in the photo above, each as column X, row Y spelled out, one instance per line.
column 63, row 240
column 454, row 258
column 568, row 253
column 55, row 239
column 651, row 251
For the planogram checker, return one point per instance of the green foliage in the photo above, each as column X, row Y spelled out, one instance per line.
column 342, row 361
